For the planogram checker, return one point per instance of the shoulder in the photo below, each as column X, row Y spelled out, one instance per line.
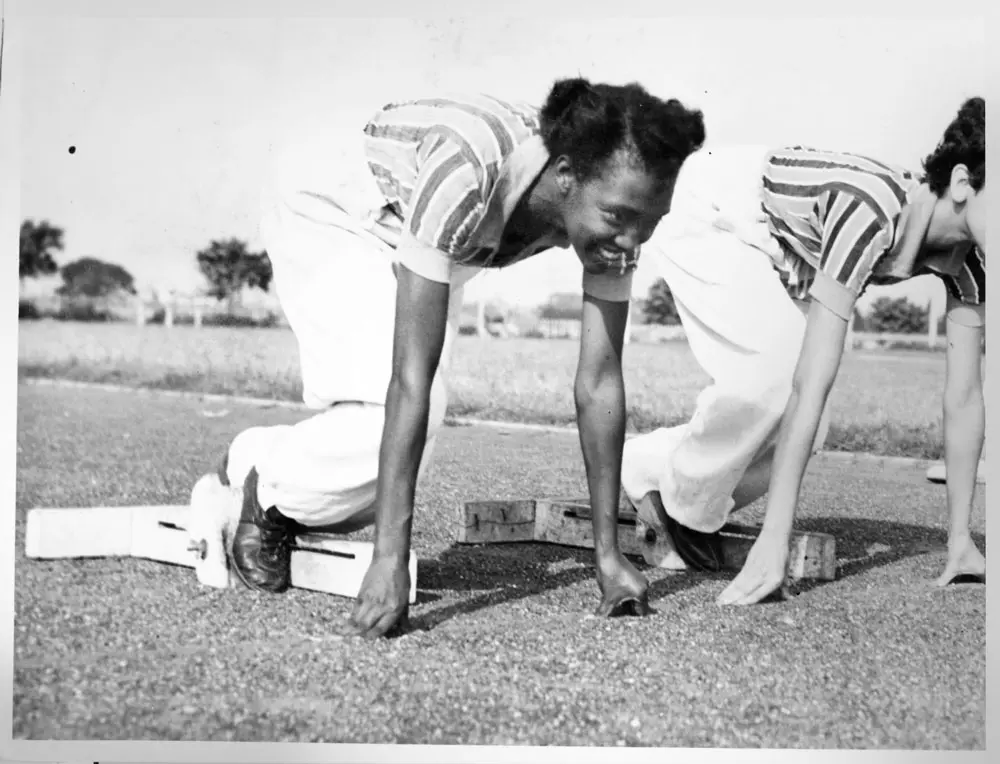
column 882, row 186
column 970, row 284
column 485, row 128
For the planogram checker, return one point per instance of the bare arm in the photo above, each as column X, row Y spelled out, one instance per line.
column 847, row 260
column 764, row 570
column 599, row 393
column 822, row 350
column 421, row 317
column 964, row 413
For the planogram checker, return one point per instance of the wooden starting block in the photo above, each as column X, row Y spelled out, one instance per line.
column 194, row 536
column 567, row 522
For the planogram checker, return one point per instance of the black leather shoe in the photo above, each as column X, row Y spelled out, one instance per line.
column 261, row 551
column 701, row 551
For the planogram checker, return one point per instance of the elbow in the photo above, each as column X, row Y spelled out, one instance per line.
column 584, row 395
column 812, row 389
column 410, row 385
column 600, row 389
column 958, row 399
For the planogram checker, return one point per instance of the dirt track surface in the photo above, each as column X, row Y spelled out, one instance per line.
column 503, row 650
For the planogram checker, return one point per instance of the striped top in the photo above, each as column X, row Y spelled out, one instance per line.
column 452, row 171
column 846, row 221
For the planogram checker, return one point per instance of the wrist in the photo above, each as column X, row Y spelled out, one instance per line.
column 776, row 530
column 607, row 558
column 396, row 555
column 392, row 545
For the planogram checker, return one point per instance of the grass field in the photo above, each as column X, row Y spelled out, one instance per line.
column 885, row 404
column 502, row 651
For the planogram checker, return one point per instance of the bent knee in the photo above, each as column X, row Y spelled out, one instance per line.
column 250, row 448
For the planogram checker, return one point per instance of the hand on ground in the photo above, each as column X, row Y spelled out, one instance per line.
column 383, row 601
column 624, row 590
column 763, row 572
column 964, row 559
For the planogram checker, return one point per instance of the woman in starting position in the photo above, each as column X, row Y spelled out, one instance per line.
column 370, row 252
column 766, row 252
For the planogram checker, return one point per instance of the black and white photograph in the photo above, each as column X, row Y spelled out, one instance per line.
column 536, row 382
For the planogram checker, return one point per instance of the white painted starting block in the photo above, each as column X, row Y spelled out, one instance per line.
column 938, row 473
column 195, row 536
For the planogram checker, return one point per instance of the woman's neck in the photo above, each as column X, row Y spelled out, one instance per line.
column 539, row 212
column 947, row 227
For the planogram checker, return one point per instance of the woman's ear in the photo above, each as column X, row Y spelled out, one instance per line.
column 565, row 177
column 960, row 187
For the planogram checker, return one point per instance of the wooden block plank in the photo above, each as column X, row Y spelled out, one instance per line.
column 74, row 532
column 160, row 534
column 568, row 522
column 811, row 555
column 337, row 566
column 319, row 562
column 498, row 522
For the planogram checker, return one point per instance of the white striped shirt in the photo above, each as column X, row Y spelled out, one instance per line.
column 452, row 171
column 837, row 216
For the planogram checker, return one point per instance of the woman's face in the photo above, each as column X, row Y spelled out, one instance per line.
column 608, row 216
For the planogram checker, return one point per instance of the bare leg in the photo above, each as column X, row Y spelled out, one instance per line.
column 755, row 482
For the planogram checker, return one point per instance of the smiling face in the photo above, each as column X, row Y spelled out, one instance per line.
column 608, row 216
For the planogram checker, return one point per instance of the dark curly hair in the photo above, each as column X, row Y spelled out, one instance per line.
column 964, row 142
column 590, row 122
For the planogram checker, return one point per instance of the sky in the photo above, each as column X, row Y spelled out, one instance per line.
column 172, row 118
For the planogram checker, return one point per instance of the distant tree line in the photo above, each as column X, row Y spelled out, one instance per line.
column 228, row 266
column 896, row 315
column 893, row 315
column 89, row 284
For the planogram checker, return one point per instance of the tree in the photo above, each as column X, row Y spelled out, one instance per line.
column 90, row 277
column 897, row 316
column 228, row 266
column 38, row 240
column 659, row 307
